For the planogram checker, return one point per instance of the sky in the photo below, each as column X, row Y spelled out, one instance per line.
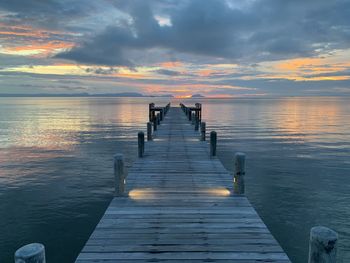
column 216, row 48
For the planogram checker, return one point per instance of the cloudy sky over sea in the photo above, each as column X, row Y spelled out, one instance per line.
column 217, row 48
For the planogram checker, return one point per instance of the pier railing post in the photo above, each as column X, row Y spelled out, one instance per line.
column 199, row 111
column 149, row 131
column 162, row 114
column 31, row 253
column 192, row 118
column 158, row 119
column 150, row 111
column 141, row 144
column 155, row 124
column 213, row 139
column 196, row 123
column 119, row 174
column 323, row 245
column 203, row 131
column 239, row 173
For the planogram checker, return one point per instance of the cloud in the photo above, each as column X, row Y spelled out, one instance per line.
column 107, row 48
column 48, row 13
column 263, row 30
column 101, row 71
column 287, row 47
column 168, row 72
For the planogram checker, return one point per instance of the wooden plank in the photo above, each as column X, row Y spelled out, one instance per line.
column 186, row 255
column 180, row 208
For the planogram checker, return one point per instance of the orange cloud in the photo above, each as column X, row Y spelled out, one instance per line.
column 36, row 48
column 295, row 64
column 308, row 69
column 21, row 30
column 171, row 64
column 205, row 72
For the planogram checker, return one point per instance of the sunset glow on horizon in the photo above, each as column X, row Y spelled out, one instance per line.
column 164, row 50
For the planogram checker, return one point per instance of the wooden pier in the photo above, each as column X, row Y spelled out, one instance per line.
column 179, row 206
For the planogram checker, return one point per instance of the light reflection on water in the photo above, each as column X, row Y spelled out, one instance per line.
column 56, row 165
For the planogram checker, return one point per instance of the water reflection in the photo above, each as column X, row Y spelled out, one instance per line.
column 56, row 168
column 56, row 165
column 309, row 119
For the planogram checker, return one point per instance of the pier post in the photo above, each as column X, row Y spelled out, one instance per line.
column 192, row 118
column 323, row 245
column 158, row 119
column 196, row 123
column 31, row 253
column 149, row 131
column 150, row 111
column 203, row 131
column 239, row 173
column 162, row 114
column 141, row 144
column 154, row 124
column 213, row 138
column 119, row 174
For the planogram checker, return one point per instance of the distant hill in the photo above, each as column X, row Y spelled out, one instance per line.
column 197, row 96
column 122, row 94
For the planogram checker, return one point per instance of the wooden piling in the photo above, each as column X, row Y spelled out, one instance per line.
column 158, row 119
column 150, row 111
column 141, row 144
column 213, row 138
column 119, row 174
column 322, row 245
column 239, row 173
column 31, row 253
column 196, row 122
column 155, row 124
column 203, row 131
column 149, row 131
column 161, row 114
column 192, row 118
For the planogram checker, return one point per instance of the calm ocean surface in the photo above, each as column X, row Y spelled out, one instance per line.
column 56, row 176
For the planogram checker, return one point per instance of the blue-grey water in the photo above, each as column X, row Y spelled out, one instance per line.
column 56, row 165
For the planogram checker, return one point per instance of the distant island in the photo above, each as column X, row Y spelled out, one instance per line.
column 197, row 96
column 85, row 94
column 123, row 94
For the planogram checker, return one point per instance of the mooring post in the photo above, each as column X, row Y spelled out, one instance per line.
column 158, row 119
column 200, row 112
column 322, row 245
column 213, row 143
column 196, row 123
column 238, row 174
column 189, row 115
column 149, row 131
column 150, row 111
column 161, row 114
column 192, row 118
column 141, row 144
column 203, row 131
column 154, row 124
column 119, row 174
column 31, row 253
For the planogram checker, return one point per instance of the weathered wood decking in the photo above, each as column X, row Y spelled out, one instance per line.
column 179, row 209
